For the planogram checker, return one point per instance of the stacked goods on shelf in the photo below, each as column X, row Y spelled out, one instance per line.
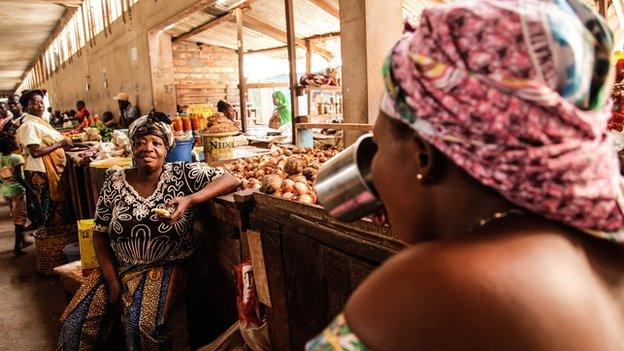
column 289, row 174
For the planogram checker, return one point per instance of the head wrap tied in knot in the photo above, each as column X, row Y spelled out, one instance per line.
column 156, row 123
column 515, row 93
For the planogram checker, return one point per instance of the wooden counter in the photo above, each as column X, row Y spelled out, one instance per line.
column 313, row 264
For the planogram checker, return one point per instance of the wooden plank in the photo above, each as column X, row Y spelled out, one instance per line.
column 309, row 49
column 266, row 85
column 270, row 223
column 327, row 7
column 241, row 68
column 328, row 88
column 340, row 126
column 602, row 8
column 257, row 260
column 292, row 63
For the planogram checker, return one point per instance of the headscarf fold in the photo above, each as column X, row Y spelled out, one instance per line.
column 282, row 107
column 156, row 123
column 515, row 93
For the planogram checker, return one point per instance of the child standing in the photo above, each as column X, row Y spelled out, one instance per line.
column 13, row 188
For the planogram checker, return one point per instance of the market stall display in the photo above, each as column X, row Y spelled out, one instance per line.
column 286, row 173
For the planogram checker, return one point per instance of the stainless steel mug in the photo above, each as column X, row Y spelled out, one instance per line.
column 344, row 184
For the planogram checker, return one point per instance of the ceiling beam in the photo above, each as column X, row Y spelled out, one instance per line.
column 70, row 3
column 278, row 34
column 215, row 21
column 184, row 14
column 206, row 26
column 284, row 47
column 327, row 7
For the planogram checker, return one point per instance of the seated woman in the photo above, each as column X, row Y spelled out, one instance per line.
column 508, row 194
column 142, row 252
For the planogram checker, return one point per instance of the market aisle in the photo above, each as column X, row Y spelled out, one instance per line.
column 30, row 304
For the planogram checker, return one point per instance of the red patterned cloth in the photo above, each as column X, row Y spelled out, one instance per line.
column 514, row 92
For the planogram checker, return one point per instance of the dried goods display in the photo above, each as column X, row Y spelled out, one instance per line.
column 218, row 123
column 286, row 173
column 118, row 147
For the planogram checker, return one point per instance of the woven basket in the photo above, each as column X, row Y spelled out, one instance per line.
column 50, row 243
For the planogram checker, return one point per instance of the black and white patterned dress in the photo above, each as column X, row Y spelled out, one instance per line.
column 137, row 236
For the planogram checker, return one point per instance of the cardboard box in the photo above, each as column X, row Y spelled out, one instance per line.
column 85, row 241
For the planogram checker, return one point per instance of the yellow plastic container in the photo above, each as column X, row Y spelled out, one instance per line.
column 85, row 241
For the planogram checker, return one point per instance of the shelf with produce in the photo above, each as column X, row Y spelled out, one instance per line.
column 326, row 88
column 339, row 126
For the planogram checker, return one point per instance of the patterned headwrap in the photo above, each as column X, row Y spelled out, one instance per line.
column 156, row 123
column 515, row 93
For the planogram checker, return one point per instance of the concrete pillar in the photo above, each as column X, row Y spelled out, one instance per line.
column 368, row 29
column 163, row 81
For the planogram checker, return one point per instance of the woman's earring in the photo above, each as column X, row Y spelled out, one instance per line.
column 419, row 176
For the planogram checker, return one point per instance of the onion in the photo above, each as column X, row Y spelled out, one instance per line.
column 306, row 199
column 260, row 173
column 293, row 166
column 271, row 184
column 288, row 196
column 299, row 178
column 288, row 186
column 301, row 188
column 278, row 193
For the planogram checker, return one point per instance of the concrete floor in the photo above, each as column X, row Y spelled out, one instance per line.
column 30, row 304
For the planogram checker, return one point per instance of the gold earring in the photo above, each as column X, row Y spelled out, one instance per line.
column 419, row 176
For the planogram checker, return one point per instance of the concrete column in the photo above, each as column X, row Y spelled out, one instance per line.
column 163, row 81
column 368, row 29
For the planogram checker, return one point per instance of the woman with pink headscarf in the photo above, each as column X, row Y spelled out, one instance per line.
column 495, row 124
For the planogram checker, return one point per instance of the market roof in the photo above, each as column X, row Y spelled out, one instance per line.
column 265, row 22
column 25, row 26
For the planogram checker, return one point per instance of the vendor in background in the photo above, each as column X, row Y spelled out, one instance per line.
column 16, row 109
column 282, row 114
column 46, row 161
column 227, row 110
column 142, row 253
column 83, row 111
column 128, row 112
column 6, row 117
column 503, row 183
column 13, row 188
column 109, row 120
column 57, row 119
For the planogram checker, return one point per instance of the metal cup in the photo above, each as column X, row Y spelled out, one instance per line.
column 344, row 184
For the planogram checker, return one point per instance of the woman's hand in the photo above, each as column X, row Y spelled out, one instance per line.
column 66, row 144
column 182, row 204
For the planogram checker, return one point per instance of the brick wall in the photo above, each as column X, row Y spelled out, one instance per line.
column 205, row 74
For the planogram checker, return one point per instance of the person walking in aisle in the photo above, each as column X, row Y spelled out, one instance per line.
column 13, row 188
